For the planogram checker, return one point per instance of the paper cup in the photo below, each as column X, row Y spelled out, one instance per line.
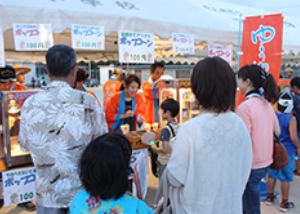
column 155, row 127
column 125, row 129
column 147, row 127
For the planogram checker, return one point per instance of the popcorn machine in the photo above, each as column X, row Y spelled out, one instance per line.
column 11, row 154
column 180, row 90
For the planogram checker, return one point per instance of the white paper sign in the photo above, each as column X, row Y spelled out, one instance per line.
column 2, row 56
column 183, row 43
column 88, row 37
column 32, row 37
column 225, row 52
column 19, row 185
column 136, row 47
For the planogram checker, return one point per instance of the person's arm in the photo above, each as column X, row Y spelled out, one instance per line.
column 276, row 128
column 245, row 114
column 179, row 163
column 293, row 134
column 165, row 148
column 112, row 115
column 140, row 109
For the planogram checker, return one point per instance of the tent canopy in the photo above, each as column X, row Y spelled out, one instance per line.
column 210, row 22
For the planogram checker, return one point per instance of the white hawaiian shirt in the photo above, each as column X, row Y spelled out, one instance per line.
column 56, row 126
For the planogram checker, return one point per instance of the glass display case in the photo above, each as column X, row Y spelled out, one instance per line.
column 180, row 90
column 11, row 103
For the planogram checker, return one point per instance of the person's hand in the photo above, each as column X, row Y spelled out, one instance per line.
column 159, row 84
column 139, row 119
column 129, row 113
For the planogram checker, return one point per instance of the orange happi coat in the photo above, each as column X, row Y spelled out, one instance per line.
column 19, row 86
column 116, row 107
column 109, row 88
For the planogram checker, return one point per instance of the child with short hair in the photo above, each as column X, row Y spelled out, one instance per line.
column 170, row 109
column 289, row 139
column 103, row 173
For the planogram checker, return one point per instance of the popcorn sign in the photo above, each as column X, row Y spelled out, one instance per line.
column 19, row 185
column 225, row 52
column 136, row 47
column 183, row 43
column 88, row 37
column 32, row 37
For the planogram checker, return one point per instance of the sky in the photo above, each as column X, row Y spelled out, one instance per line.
column 288, row 7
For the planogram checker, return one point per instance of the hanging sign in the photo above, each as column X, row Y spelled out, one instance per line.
column 2, row 56
column 88, row 37
column 183, row 43
column 32, row 37
column 136, row 47
column 223, row 51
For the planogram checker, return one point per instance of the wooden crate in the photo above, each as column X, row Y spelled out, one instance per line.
column 135, row 139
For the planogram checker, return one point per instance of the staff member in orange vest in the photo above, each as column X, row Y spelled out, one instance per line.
column 113, row 85
column 81, row 77
column 150, row 91
column 126, row 106
column 20, row 76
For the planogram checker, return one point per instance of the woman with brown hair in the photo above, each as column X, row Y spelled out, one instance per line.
column 212, row 155
column 126, row 106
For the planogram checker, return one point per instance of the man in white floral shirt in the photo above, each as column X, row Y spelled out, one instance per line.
column 56, row 125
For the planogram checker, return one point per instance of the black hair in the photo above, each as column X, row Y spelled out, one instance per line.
column 61, row 59
column 295, row 82
column 103, row 166
column 214, row 85
column 260, row 79
column 155, row 65
column 130, row 78
column 170, row 105
column 81, row 75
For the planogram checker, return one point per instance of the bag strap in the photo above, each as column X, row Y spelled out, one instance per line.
column 172, row 130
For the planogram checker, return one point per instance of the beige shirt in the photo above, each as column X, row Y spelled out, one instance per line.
column 56, row 126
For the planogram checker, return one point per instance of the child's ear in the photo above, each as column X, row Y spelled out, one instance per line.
column 169, row 113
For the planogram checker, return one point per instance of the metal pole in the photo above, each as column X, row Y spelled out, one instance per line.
column 90, row 69
column 239, row 43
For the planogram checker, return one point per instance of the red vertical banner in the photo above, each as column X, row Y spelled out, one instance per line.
column 262, row 42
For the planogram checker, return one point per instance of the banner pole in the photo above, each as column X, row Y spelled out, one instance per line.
column 239, row 43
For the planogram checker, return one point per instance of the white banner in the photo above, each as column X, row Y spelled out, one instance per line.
column 136, row 47
column 32, row 37
column 2, row 56
column 88, row 37
column 183, row 43
column 18, row 185
column 225, row 52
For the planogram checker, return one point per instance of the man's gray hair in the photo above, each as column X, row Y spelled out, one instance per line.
column 60, row 60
